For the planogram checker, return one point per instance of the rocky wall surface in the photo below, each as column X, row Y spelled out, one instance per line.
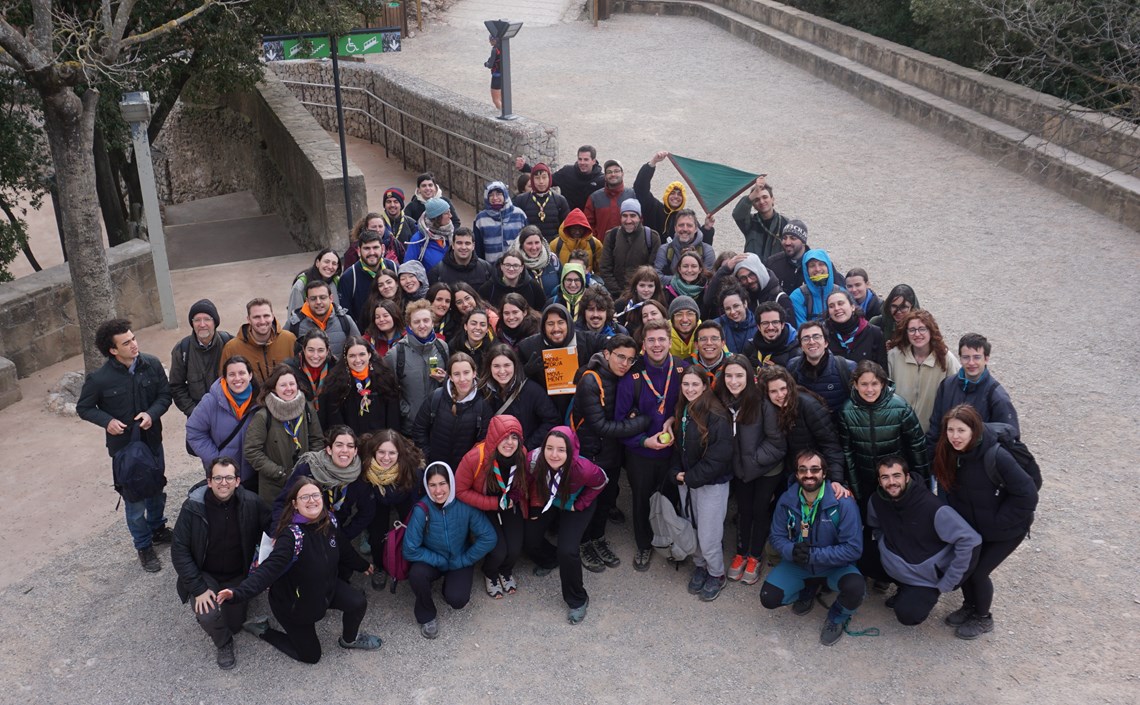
column 422, row 124
column 37, row 312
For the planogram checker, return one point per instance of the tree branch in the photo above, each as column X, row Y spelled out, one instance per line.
column 26, row 56
column 167, row 27
column 121, row 19
column 42, row 26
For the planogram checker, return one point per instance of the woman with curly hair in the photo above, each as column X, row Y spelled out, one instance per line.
column 918, row 360
column 394, row 468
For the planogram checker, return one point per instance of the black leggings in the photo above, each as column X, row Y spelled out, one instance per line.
column 978, row 589
column 509, row 532
column 646, row 476
column 754, row 518
column 456, row 588
column 571, row 527
column 299, row 640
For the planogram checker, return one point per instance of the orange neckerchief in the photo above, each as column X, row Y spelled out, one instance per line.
column 239, row 410
column 321, row 322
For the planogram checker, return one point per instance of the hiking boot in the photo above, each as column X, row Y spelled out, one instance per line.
column 542, row 571
column 975, row 626
column 880, row 586
column 430, row 630
column 226, row 658
column 379, row 580
column 960, row 616
column 831, row 631
column 149, row 560
column 494, row 589
column 575, row 615
column 616, row 515
column 736, row 568
column 161, row 535
column 697, row 581
column 806, row 602
column 752, row 568
column 367, row 642
column 641, row 559
column 590, row 559
column 606, row 554
column 509, row 585
column 712, row 587
column 257, row 626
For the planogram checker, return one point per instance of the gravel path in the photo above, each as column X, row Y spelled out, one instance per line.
column 986, row 250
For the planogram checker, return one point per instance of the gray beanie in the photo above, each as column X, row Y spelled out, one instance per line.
column 684, row 303
column 631, row 205
column 796, row 229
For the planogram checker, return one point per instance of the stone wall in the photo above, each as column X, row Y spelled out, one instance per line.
column 425, row 114
column 37, row 312
column 835, row 53
column 9, row 383
column 266, row 142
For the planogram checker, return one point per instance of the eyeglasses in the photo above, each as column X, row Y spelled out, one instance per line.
column 812, row 338
column 223, row 479
column 622, row 358
column 917, row 331
column 770, row 324
column 313, row 497
column 707, row 339
column 899, row 308
column 511, row 266
column 813, row 470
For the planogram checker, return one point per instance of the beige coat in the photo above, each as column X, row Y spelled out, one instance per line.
column 918, row 384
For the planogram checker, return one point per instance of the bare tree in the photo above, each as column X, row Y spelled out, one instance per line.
column 63, row 55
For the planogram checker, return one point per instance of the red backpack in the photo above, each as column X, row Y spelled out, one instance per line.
column 393, row 559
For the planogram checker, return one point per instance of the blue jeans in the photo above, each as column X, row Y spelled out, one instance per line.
column 143, row 517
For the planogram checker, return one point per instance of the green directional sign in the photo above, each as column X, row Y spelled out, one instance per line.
column 314, row 48
column 355, row 44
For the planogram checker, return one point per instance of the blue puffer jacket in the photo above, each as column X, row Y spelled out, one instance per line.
column 211, row 422
column 836, row 535
column 447, row 537
column 810, row 300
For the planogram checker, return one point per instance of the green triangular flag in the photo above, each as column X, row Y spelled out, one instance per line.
column 714, row 185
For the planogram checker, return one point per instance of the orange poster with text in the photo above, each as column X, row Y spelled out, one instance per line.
column 561, row 365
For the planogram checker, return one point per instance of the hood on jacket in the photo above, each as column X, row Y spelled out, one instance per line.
column 575, row 217
column 821, row 256
column 450, row 481
column 575, row 445
column 562, row 312
column 572, row 267
column 500, row 427
column 537, row 168
column 414, row 267
column 674, row 186
column 501, row 188
column 752, row 263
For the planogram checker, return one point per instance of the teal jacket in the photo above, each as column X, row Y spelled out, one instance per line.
column 449, row 536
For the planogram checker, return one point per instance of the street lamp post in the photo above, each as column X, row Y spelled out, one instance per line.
column 503, row 30
column 136, row 111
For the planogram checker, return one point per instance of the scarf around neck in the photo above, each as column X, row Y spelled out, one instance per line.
column 382, row 478
column 325, row 471
column 285, row 410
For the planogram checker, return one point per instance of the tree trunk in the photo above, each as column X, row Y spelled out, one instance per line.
column 69, row 122
column 110, row 200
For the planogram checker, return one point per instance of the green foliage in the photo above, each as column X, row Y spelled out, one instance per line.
column 23, row 160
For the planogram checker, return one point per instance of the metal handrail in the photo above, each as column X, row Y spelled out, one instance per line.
column 424, row 149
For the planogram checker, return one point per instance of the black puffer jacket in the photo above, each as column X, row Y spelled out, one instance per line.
column 556, row 208
column 341, row 405
column 495, row 290
column 998, row 514
column 447, row 436
column 600, row 432
column 870, row 431
column 867, row 344
column 764, row 354
column 815, row 429
column 112, row 392
column 758, row 447
column 704, row 463
column 530, row 351
column 533, row 408
column 302, row 589
column 192, row 535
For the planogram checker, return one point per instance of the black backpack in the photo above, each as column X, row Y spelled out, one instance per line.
column 1007, row 438
column 137, row 472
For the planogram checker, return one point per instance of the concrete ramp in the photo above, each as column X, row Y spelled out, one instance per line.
column 229, row 228
column 533, row 13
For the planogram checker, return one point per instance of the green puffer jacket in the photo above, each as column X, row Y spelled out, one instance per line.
column 870, row 431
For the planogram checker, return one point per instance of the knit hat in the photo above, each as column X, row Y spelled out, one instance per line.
column 684, row 303
column 395, row 193
column 435, row 207
column 613, row 162
column 205, row 306
column 414, row 267
column 631, row 205
column 796, row 229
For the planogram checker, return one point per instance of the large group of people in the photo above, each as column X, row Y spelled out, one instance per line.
column 485, row 386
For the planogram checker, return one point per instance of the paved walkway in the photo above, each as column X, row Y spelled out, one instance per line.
column 986, row 250
column 533, row 13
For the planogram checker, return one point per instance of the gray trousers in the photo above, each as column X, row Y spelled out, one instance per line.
column 221, row 623
column 708, row 506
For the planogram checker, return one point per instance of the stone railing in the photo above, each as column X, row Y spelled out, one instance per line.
column 1086, row 157
column 428, row 127
column 37, row 312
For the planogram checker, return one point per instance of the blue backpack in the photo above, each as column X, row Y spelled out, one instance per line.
column 136, row 471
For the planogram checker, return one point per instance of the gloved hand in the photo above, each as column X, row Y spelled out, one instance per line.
column 801, row 554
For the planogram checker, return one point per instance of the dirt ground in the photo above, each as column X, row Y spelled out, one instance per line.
column 986, row 249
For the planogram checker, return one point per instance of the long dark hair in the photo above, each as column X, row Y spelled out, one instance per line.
column 490, row 485
column 787, row 414
column 341, row 382
column 543, row 471
column 394, row 311
column 749, row 402
column 700, row 410
column 530, row 322
column 645, row 272
column 313, row 274
column 409, row 459
column 320, row 524
column 374, row 296
column 488, row 384
column 945, row 457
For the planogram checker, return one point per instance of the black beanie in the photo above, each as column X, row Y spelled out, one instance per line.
column 204, row 306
